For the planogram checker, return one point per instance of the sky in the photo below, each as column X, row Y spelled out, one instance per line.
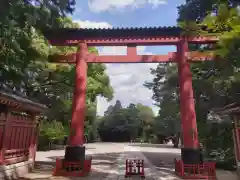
column 127, row 79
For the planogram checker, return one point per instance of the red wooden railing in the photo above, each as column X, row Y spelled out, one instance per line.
column 18, row 134
column 134, row 167
column 207, row 170
column 72, row 169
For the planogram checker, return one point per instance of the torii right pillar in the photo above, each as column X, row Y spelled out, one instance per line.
column 190, row 152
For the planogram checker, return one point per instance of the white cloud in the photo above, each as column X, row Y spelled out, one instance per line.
column 106, row 5
column 93, row 24
column 126, row 79
column 156, row 3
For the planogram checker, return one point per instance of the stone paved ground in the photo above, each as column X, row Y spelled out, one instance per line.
column 109, row 161
column 226, row 175
column 151, row 171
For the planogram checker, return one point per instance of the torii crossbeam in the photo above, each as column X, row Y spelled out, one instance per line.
column 131, row 57
column 131, row 37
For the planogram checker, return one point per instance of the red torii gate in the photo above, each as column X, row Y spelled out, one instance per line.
column 130, row 37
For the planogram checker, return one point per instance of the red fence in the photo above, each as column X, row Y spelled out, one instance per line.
column 18, row 134
column 73, row 169
column 207, row 170
column 134, row 167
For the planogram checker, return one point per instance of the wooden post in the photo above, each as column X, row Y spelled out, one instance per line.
column 36, row 141
column 236, row 140
column 79, row 98
column 34, row 138
column 75, row 151
column 187, row 106
column 3, row 112
column 234, row 133
column 6, row 133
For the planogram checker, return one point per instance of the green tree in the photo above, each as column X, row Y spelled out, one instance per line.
column 165, row 89
column 125, row 124
column 25, row 66
column 50, row 132
column 146, row 117
column 216, row 83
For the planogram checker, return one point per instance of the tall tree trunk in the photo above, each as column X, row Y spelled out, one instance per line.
column 176, row 140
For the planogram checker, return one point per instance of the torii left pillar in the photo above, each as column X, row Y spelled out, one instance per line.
column 75, row 150
column 191, row 152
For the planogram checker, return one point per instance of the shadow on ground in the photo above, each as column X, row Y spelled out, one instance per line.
column 153, row 145
column 61, row 148
column 43, row 171
column 103, row 163
column 95, row 175
column 98, row 159
column 160, row 159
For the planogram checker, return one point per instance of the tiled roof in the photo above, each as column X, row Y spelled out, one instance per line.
column 233, row 108
column 19, row 97
column 113, row 32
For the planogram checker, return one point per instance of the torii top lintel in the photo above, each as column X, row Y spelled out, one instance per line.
column 122, row 36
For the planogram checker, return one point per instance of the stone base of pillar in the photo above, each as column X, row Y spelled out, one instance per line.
column 191, row 156
column 74, row 153
column 74, row 164
column 72, row 169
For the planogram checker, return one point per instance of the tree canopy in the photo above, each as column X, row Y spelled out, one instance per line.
column 215, row 83
column 125, row 124
column 25, row 66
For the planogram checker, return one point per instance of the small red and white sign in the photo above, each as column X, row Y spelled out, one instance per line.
column 134, row 167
